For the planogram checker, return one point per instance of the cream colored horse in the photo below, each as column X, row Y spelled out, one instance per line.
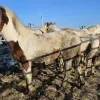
column 26, row 46
column 91, row 30
column 87, row 37
column 51, row 27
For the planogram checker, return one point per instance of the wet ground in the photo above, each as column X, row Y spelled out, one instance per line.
column 49, row 85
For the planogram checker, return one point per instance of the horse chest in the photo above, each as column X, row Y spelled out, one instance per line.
column 16, row 51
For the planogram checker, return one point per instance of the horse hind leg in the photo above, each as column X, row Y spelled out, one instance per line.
column 61, row 63
column 93, row 68
column 80, row 70
column 94, row 63
column 88, row 68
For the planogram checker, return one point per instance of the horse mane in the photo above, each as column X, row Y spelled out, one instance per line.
column 68, row 29
column 92, row 28
column 2, row 8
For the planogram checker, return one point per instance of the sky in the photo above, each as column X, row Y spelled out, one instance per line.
column 66, row 13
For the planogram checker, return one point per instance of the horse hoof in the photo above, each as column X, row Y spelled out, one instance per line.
column 88, row 74
column 82, row 84
column 31, row 90
column 31, row 94
column 92, row 73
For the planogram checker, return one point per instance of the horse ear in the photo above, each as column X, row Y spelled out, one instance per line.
column 54, row 23
column 51, row 23
column 47, row 24
column 3, row 15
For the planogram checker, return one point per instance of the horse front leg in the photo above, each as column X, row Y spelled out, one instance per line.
column 28, row 76
column 88, row 67
column 80, row 69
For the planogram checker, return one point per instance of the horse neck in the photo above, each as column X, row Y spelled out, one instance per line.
column 43, row 29
column 97, row 30
column 56, row 29
column 22, row 30
column 14, row 28
column 9, row 33
column 53, row 29
column 80, row 33
column 94, row 29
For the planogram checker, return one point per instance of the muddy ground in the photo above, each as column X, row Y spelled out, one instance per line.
column 50, row 85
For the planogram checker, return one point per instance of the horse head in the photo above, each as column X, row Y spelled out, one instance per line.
column 51, row 27
column 3, row 18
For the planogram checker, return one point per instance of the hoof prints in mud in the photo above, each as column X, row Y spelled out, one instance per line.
column 49, row 86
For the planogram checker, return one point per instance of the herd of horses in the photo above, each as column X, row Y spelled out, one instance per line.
column 76, row 49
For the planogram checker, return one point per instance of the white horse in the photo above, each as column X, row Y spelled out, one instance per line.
column 51, row 27
column 26, row 46
column 90, row 43
column 90, row 30
column 87, row 37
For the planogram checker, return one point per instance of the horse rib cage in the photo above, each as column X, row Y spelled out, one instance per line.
column 49, row 54
column 90, row 39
